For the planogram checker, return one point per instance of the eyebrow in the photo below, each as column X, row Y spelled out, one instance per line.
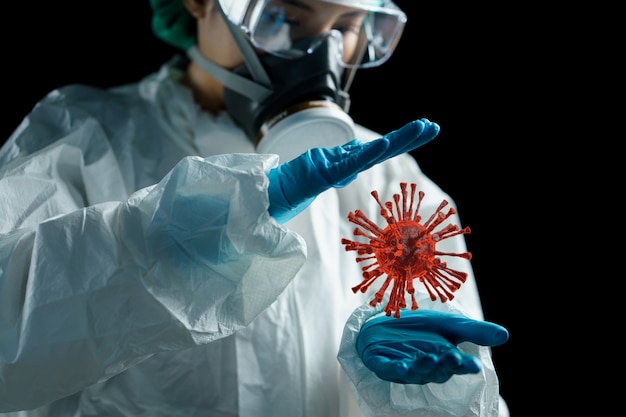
column 298, row 3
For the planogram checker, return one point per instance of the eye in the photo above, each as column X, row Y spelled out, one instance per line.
column 353, row 23
column 274, row 18
column 348, row 29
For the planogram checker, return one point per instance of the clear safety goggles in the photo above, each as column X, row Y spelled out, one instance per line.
column 369, row 30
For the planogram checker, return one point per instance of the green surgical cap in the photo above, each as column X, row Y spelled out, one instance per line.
column 172, row 23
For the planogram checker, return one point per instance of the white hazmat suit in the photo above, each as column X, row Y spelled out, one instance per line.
column 141, row 274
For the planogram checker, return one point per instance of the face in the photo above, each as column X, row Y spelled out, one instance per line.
column 300, row 18
column 296, row 19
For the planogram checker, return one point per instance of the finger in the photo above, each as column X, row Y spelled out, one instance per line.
column 387, row 369
column 425, row 364
column 412, row 136
column 452, row 360
column 482, row 333
column 362, row 154
column 459, row 363
column 430, row 132
column 409, row 137
column 399, row 138
column 463, row 329
column 358, row 158
column 454, row 327
column 427, row 368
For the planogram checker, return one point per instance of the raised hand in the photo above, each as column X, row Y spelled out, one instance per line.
column 295, row 184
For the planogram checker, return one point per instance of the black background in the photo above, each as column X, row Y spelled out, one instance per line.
column 457, row 65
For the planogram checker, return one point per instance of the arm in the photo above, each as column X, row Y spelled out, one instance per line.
column 184, row 262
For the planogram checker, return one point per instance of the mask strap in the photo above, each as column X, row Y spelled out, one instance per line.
column 257, row 89
column 235, row 82
column 251, row 59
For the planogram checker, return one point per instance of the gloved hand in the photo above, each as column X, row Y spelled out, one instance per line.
column 420, row 347
column 295, row 184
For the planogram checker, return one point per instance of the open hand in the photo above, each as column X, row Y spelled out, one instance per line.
column 421, row 346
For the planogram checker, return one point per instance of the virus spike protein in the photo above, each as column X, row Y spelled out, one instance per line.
column 405, row 250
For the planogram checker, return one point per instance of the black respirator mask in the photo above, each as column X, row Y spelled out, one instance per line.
column 307, row 103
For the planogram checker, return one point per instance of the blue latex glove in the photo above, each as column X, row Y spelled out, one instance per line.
column 295, row 184
column 420, row 347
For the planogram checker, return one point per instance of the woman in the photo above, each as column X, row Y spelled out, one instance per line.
column 156, row 262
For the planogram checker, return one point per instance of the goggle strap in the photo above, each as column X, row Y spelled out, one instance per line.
column 235, row 82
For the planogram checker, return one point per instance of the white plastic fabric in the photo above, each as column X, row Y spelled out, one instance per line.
column 140, row 273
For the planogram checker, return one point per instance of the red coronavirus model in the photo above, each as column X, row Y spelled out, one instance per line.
column 406, row 250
